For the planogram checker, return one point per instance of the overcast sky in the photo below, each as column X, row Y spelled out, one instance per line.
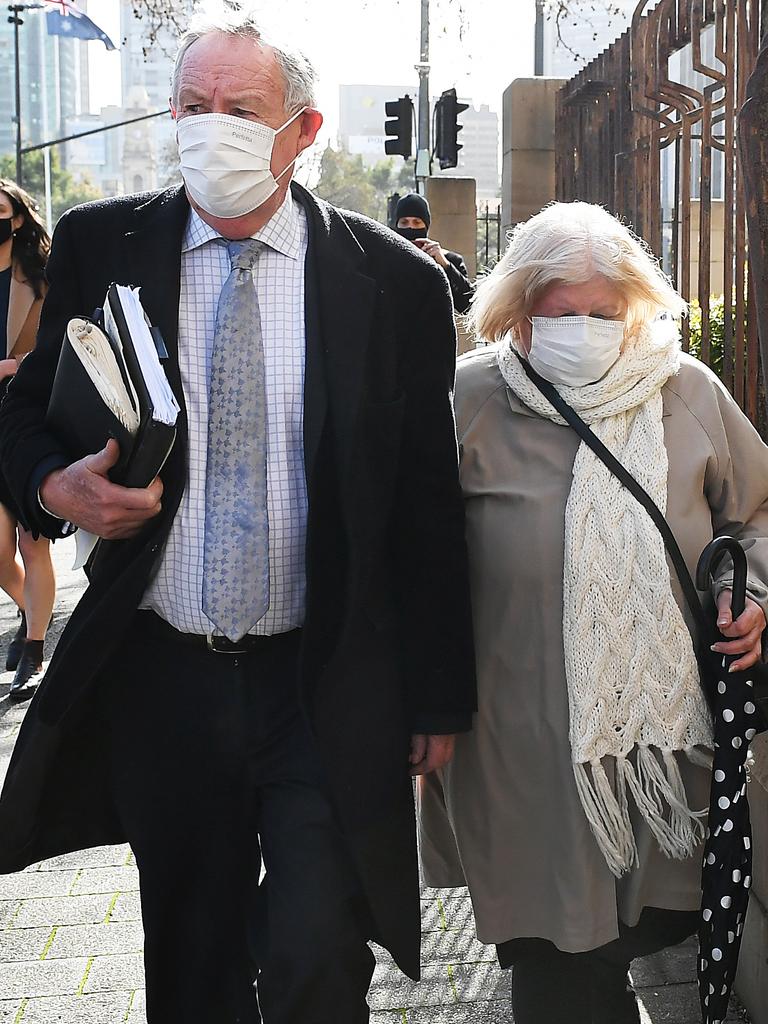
column 478, row 46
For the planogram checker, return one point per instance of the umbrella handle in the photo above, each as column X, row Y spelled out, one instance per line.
column 711, row 557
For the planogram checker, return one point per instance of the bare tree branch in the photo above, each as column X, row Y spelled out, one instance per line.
column 170, row 16
column 579, row 12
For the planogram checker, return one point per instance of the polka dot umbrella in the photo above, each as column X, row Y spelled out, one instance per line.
column 726, row 873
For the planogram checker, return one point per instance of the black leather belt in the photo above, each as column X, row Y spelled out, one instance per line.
column 162, row 630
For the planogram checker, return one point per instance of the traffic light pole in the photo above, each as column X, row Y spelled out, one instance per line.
column 538, row 45
column 15, row 20
column 423, row 150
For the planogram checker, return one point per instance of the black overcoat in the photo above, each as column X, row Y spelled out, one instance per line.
column 386, row 647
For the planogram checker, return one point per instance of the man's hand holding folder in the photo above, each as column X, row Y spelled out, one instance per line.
column 114, row 410
column 83, row 494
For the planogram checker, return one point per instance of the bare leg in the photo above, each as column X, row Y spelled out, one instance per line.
column 39, row 585
column 11, row 573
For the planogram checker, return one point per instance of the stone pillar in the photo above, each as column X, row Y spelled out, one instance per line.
column 528, row 148
column 752, row 978
column 453, row 206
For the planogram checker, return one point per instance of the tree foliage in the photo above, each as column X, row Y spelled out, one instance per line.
column 345, row 181
column 66, row 191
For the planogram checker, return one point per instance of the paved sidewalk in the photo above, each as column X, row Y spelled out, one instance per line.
column 71, row 936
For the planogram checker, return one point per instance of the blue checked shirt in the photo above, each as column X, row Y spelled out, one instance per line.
column 175, row 593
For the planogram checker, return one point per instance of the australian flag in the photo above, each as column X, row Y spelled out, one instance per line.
column 65, row 18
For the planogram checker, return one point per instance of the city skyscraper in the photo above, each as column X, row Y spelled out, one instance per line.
column 53, row 73
column 146, row 86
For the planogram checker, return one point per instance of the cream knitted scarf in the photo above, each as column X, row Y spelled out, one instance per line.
column 633, row 681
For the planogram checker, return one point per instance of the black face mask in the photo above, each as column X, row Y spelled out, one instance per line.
column 6, row 229
column 412, row 233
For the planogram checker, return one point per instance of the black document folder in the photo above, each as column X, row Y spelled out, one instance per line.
column 110, row 384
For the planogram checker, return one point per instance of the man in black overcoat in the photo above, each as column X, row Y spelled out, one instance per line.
column 290, row 747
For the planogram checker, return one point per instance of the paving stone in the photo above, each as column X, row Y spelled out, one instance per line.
column 676, row 1004
column 96, row 939
column 63, row 910
column 440, row 914
column 672, row 967
column 42, row 977
column 96, row 857
column 491, row 1012
column 92, row 880
column 454, row 947
column 112, row 973
column 23, row 943
column 393, row 991
column 26, row 884
column 7, row 909
column 9, row 1009
column 480, row 982
column 384, row 1017
column 101, row 1008
column 127, row 907
column 138, row 1008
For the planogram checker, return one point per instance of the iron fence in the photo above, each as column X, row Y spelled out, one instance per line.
column 649, row 130
column 489, row 242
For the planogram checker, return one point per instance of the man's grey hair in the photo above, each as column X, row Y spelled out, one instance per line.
column 213, row 16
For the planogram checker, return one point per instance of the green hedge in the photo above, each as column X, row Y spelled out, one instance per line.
column 716, row 331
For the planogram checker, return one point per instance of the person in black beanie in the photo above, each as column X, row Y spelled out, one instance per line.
column 412, row 220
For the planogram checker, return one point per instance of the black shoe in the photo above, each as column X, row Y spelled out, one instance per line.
column 30, row 665
column 16, row 646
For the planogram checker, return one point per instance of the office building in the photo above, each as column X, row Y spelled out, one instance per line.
column 53, row 75
column 479, row 155
column 362, row 116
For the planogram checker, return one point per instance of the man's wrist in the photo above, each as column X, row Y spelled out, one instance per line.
column 39, row 499
column 67, row 527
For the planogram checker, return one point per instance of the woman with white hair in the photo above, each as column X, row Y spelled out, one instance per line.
column 574, row 810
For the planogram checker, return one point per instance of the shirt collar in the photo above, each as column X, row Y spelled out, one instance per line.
column 282, row 231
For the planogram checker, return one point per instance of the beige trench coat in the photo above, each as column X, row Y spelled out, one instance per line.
column 505, row 815
column 23, row 316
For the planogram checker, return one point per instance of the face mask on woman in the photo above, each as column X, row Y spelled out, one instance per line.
column 574, row 350
column 226, row 162
column 6, row 229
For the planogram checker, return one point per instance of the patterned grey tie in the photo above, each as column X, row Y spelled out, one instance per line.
column 236, row 546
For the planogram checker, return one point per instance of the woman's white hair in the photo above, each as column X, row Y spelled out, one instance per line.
column 211, row 16
column 568, row 243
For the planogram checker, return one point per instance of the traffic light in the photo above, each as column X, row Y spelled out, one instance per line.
column 447, row 128
column 400, row 127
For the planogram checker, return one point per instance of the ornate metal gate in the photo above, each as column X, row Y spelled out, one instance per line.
column 649, row 129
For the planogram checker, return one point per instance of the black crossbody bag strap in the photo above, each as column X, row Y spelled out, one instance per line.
column 575, row 421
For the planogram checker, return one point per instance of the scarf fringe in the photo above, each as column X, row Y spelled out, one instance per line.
column 659, row 794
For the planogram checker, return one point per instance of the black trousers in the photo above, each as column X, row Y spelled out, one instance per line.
column 215, row 775
column 552, row 987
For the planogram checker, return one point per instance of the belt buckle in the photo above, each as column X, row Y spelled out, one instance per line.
column 229, row 646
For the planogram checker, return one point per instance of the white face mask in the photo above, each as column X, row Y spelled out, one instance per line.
column 574, row 350
column 225, row 162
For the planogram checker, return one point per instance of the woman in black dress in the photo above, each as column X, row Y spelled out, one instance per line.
column 24, row 246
